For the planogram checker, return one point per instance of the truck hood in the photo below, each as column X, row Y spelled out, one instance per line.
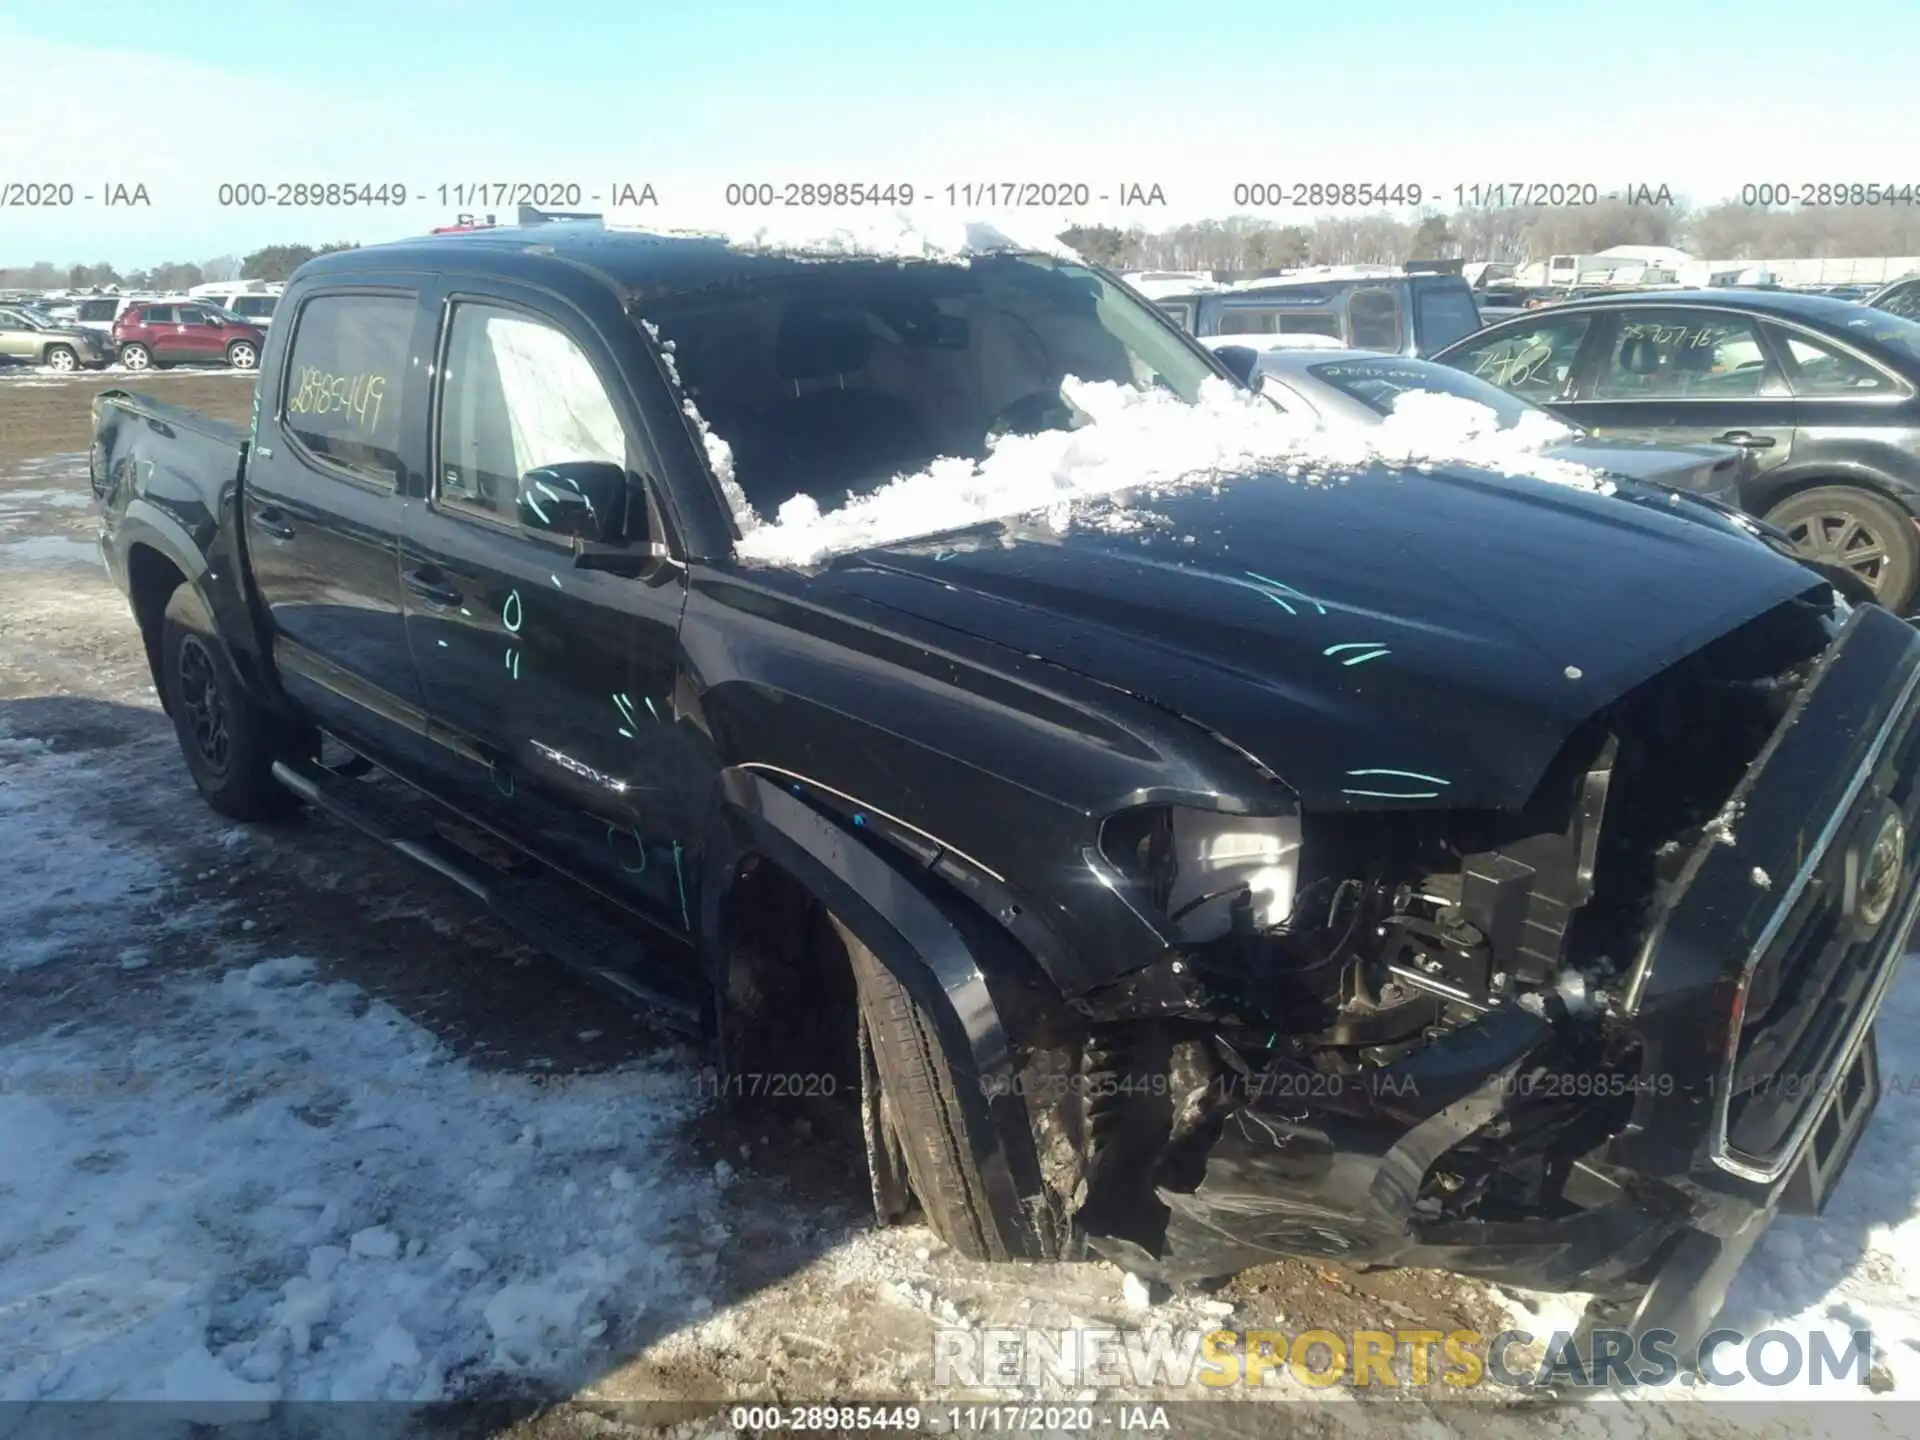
column 1391, row 639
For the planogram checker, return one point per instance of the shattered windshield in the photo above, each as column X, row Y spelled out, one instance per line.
column 838, row 379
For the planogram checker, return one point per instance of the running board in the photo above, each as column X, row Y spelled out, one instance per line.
column 531, row 908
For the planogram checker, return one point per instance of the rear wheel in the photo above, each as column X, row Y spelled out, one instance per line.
column 1858, row 531
column 919, row 1110
column 228, row 739
column 63, row 358
column 136, row 357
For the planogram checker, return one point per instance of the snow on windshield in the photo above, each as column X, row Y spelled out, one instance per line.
column 1151, row 441
column 882, row 234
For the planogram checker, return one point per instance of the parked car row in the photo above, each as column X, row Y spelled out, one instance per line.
column 1414, row 311
column 137, row 332
column 28, row 337
column 1821, row 394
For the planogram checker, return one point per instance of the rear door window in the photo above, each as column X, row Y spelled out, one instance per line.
column 1661, row 354
column 341, row 403
column 1250, row 320
column 1374, row 314
column 157, row 315
column 1443, row 312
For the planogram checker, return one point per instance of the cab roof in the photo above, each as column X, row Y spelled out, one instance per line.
column 640, row 264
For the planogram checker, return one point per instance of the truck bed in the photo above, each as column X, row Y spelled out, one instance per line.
column 168, row 451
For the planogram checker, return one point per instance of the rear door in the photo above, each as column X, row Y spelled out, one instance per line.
column 157, row 327
column 551, row 687
column 1688, row 375
column 325, row 496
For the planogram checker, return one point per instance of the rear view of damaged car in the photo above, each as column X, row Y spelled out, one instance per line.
column 1213, row 840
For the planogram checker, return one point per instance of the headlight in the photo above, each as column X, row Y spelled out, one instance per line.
column 1198, row 867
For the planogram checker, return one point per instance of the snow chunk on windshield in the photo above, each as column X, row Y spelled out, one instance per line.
column 860, row 231
column 719, row 453
column 1151, row 440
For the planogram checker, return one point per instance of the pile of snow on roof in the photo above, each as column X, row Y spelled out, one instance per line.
column 1153, row 442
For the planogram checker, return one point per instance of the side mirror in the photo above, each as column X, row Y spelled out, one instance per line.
column 579, row 500
column 1242, row 360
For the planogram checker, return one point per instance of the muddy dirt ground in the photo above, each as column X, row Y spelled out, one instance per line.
column 805, row 1300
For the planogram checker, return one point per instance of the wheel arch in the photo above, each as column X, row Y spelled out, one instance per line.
column 1845, row 474
column 928, row 935
column 153, row 575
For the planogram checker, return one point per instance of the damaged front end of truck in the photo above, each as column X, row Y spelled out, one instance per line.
column 1592, row 1044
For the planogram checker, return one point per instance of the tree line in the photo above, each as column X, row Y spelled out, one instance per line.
column 275, row 262
column 1724, row 231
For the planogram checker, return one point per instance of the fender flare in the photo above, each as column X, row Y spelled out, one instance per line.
column 925, row 951
column 145, row 523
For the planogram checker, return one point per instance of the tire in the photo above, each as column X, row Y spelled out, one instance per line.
column 136, row 357
column 63, row 358
column 242, row 356
column 1859, row 531
column 228, row 741
column 920, row 1099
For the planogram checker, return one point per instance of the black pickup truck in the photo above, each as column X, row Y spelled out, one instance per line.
column 1441, row 869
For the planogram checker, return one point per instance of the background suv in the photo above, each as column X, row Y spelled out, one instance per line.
column 173, row 332
column 26, row 338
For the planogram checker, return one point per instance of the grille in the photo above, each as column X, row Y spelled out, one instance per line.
column 1806, row 993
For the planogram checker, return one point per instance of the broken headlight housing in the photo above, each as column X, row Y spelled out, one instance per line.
column 1207, row 873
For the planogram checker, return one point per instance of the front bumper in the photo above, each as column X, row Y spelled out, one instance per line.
column 1750, row 1008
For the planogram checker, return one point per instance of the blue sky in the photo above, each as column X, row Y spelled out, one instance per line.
column 183, row 96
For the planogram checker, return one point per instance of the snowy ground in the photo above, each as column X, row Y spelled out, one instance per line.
column 281, row 1121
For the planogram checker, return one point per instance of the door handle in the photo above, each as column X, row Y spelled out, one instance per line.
column 1745, row 439
column 274, row 522
column 430, row 588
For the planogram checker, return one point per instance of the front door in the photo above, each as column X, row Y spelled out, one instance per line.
column 324, row 497
column 1686, row 376
column 548, row 686
column 202, row 338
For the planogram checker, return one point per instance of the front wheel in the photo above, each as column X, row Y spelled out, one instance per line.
column 136, row 357
column 242, row 356
column 227, row 738
column 921, row 1109
column 1858, row 531
column 63, row 358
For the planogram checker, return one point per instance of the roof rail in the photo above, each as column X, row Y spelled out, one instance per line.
column 1435, row 267
column 532, row 215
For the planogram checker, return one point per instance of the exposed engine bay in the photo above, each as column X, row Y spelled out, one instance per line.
column 1383, row 1023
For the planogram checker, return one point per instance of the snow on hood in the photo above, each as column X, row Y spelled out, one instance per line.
column 885, row 234
column 1153, row 441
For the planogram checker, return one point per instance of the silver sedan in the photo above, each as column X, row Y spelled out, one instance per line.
column 1345, row 389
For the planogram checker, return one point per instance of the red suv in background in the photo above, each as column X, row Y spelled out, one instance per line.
column 170, row 332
